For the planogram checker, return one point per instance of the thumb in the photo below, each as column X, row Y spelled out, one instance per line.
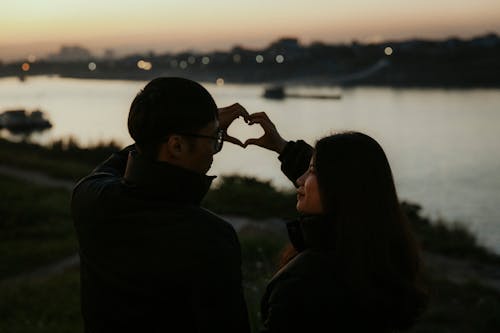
column 233, row 140
column 252, row 142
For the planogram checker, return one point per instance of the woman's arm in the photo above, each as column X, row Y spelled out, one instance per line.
column 294, row 155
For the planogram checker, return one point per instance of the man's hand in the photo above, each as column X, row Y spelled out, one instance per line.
column 271, row 139
column 226, row 117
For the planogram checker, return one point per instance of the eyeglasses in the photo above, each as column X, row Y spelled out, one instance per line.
column 218, row 139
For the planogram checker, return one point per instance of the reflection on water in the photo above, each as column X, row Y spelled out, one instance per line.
column 442, row 144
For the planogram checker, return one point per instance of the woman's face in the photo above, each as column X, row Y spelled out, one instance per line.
column 308, row 199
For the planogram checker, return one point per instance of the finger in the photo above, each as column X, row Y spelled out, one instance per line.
column 255, row 115
column 252, row 142
column 233, row 140
column 239, row 110
column 231, row 113
column 226, row 108
column 262, row 116
column 236, row 109
column 262, row 121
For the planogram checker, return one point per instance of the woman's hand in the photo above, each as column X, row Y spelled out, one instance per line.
column 271, row 139
column 226, row 117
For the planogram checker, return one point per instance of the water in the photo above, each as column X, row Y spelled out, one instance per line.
column 442, row 144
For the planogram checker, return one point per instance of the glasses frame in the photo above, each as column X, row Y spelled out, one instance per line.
column 218, row 139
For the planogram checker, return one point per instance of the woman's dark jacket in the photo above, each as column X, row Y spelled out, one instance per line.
column 153, row 260
column 308, row 294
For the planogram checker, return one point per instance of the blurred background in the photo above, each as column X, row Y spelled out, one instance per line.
column 422, row 78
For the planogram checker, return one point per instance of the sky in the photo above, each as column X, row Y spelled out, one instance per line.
column 39, row 27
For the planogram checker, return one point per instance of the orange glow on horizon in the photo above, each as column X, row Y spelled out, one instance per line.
column 180, row 25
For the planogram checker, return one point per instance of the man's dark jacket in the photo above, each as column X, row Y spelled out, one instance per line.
column 153, row 260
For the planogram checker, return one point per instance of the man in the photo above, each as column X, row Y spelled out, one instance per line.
column 153, row 260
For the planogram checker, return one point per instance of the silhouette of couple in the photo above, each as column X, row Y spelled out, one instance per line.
column 153, row 260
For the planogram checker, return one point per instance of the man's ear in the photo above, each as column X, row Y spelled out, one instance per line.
column 172, row 149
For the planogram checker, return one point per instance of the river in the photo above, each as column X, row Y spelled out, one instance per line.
column 443, row 145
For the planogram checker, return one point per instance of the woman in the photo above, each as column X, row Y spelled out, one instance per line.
column 354, row 265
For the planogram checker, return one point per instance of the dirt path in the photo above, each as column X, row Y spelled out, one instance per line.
column 35, row 177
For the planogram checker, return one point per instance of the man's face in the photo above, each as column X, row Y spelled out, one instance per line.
column 199, row 157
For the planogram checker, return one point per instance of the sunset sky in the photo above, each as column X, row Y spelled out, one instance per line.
column 41, row 26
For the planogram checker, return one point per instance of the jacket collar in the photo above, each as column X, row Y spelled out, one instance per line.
column 311, row 232
column 165, row 180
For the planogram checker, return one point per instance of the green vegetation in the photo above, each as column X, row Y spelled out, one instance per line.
column 46, row 305
column 61, row 159
column 248, row 196
column 460, row 309
column 35, row 229
column 452, row 240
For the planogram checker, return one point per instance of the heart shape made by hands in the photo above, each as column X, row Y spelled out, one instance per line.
column 240, row 130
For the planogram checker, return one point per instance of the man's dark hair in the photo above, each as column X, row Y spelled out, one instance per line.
column 165, row 106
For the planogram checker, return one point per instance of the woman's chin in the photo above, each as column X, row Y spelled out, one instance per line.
column 300, row 208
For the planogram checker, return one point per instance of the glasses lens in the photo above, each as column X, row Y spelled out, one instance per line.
column 219, row 141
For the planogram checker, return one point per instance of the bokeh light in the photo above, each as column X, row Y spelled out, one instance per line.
column 25, row 67
column 259, row 58
column 205, row 60
column 145, row 65
column 219, row 82
column 388, row 51
column 280, row 58
column 92, row 66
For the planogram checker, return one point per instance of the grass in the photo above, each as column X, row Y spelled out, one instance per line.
column 61, row 159
column 460, row 309
column 36, row 230
column 260, row 249
column 48, row 305
column 35, row 227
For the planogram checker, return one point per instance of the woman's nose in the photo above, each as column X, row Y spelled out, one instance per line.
column 300, row 181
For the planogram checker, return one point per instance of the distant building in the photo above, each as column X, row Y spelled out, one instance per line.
column 70, row 54
column 288, row 47
column 109, row 54
column 489, row 40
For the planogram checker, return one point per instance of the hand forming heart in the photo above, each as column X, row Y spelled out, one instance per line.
column 270, row 139
column 242, row 131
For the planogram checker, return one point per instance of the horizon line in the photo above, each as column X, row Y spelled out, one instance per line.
column 133, row 50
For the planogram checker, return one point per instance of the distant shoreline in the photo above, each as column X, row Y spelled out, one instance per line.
column 315, row 82
column 414, row 63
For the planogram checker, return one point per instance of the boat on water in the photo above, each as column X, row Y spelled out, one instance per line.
column 275, row 92
column 278, row 92
column 24, row 121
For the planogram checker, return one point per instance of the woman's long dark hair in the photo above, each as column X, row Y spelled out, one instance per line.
column 374, row 249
